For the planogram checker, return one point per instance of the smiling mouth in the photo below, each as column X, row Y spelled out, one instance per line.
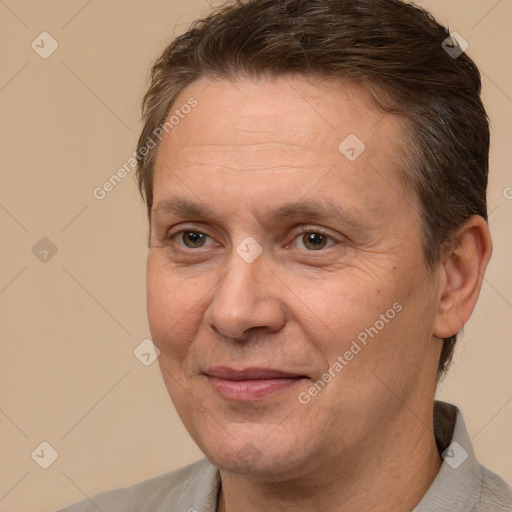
column 250, row 384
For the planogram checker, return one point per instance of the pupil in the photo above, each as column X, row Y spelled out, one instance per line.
column 314, row 241
column 193, row 239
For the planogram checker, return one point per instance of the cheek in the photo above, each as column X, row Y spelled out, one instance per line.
column 344, row 303
column 368, row 316
column 173, row 305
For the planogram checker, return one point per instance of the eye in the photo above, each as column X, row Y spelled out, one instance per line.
column 190, row 238
column 193, row 239
column 313, row 240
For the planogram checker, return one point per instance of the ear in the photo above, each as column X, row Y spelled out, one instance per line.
column 462, row 276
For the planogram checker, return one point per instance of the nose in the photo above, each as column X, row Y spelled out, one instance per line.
column 246, row 298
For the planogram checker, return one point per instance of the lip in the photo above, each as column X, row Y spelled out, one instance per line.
column 250, row 384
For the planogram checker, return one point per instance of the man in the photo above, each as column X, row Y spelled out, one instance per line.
column 315, row 174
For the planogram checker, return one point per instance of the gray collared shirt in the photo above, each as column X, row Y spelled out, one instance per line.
column 462, row 484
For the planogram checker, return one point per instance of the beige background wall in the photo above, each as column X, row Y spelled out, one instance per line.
column 68, row 375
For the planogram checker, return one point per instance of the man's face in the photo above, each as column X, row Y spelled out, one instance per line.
column 276, row 254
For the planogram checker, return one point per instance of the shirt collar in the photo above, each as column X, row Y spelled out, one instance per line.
column 458, row 484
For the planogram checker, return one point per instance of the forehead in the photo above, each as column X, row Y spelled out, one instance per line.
column 294, row 110
column 287, row 133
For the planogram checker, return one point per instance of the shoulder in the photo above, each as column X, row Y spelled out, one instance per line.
column 495, row 493
column 183, row 489
column 462, row 484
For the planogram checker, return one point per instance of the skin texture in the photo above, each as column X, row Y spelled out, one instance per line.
column 365, row 440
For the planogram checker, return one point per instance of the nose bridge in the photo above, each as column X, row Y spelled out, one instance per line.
column 246, row 296
column 241, row 283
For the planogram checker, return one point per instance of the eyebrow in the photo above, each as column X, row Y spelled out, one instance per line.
column 297, row 211
column 183, row 208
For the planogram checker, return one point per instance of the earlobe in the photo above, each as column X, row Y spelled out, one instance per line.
column 463, row 271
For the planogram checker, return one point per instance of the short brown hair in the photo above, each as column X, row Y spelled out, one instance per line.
column 392, row 48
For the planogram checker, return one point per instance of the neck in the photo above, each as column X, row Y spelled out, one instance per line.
column 388, row 472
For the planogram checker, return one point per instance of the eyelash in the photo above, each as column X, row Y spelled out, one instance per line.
column 171, row 237
column 310, row 229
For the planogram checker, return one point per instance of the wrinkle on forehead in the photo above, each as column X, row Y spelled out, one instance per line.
column 270, row 156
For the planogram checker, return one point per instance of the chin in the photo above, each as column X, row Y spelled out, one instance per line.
column 262, row 467
column 244, row 455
